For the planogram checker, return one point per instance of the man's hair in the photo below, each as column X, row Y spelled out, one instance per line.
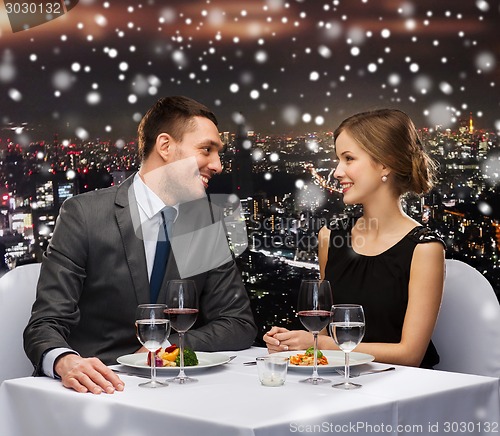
column 172, row 115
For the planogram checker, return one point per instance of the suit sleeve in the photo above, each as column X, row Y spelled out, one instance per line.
column 55, row 310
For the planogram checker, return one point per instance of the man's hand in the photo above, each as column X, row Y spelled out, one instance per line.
column 87, row 375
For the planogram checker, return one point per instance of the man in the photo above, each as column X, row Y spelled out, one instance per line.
column 99, row 262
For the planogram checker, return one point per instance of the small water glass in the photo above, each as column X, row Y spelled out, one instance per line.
column 272, row 370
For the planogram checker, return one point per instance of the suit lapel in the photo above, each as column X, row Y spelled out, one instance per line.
column 127, row 217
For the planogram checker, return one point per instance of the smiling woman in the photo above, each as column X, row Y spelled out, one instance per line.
column 391, row 146
column 385, row 261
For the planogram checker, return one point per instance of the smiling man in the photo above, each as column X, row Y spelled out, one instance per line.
column 99, row 263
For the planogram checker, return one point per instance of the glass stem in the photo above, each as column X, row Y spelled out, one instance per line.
column 347, row 368
column 153, row 366
column 315, row 365
column 181, row 347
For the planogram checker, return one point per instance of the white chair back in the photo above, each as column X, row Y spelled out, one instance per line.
column 17, row 295
column 467, row 333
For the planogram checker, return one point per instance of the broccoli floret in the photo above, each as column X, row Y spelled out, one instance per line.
column 310, row 352
column 190, row 358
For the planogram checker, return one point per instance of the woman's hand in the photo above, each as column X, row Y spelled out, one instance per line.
column 282, row 339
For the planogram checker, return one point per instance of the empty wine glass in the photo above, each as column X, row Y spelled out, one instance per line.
column 347, row 329
column 182, row 311
column 314, row 311
column 152, row 330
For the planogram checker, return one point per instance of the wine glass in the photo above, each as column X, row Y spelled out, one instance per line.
column 152, row 330
column 347, row 329
column 314, row 311
column 182, row 311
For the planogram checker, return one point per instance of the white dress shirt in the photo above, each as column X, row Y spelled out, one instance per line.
column 150, row 206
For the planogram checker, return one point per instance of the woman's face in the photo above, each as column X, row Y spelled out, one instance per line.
column 358, row 174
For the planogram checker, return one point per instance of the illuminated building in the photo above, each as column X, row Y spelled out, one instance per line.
column 242, row 166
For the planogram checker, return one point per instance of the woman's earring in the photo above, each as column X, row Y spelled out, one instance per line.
column 384, row 179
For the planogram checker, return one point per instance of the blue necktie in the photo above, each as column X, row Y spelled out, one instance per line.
column 161, row 257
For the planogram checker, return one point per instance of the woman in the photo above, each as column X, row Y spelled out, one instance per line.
column 385, row 260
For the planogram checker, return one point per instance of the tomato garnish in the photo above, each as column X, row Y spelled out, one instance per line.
column 171, row 348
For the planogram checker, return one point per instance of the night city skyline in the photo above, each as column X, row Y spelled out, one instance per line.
column 285, row 200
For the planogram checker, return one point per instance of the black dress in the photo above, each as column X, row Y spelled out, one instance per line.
column 379, row 283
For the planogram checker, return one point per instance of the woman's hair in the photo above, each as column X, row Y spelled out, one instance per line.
column 172, row 115
column 390, row 137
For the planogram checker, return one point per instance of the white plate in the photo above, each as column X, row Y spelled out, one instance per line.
column 335, row 359
column 205, row 360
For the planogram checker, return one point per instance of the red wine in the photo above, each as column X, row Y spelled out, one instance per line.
column 182, row 319
column 314, row 320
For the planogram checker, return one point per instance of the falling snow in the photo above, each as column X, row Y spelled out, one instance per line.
column 272, row 64
column 62, row 80
column 310, row 196
column 7, row 67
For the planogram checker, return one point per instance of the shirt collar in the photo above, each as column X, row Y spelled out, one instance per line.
column 147, row 200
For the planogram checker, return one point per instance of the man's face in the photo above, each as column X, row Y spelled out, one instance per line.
column 204, row 144
column 192, row 162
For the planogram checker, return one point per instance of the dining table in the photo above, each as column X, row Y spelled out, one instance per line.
column 228, row 399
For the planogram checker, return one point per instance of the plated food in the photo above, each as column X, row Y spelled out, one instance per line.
column 170, row 357
column 335, row 360
column 307, row 358
column 205, row 360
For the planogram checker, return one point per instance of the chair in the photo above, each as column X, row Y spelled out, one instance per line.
column 467, row 333
column 17, row 294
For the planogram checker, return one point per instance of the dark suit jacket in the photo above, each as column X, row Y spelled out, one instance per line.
column 94, row 275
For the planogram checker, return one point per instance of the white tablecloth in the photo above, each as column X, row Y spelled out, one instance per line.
column 229, row 400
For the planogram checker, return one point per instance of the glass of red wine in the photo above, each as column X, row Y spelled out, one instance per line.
column 182, row 310
column 314, row 311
